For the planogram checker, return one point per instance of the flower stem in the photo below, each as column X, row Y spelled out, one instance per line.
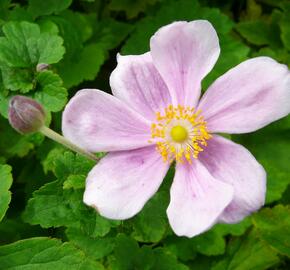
column 46, row 131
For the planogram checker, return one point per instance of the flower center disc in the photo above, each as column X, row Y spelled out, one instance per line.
column 180, row 133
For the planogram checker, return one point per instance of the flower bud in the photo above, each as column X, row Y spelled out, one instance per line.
column 42, row 67
column 25, row 114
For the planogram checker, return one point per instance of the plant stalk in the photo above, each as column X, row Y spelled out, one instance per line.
column 46, row 131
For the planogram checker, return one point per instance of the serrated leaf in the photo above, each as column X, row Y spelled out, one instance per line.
column 12, row 143
column 17, row 79
column 110, row 33
column 25, row 46
column 166, row 261
column 273, row 226
column 285, row 26
column 247, row 253
column 53, row 206
column 171, row 11
column 75, row 182
column 209, row 243
column 40, row 8
column 49, row 91
column 45, row 253
column 260, row 33
column 84, row 66
column 271, row 148
column 5, row 184
column 132, row 8
column 97, row 248
column 151, row 224
column 232, row 51
column 129, row 256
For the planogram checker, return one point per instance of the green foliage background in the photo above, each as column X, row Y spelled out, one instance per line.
column 44, row 224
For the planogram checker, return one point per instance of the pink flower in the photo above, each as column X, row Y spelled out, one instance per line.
column 156, row 117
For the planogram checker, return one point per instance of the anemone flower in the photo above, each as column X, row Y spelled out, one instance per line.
column 156, row 116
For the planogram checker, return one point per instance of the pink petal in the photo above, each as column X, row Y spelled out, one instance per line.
column 196, row 199
column 233, row 164
column 122, row 182
column 184, row 53
column 98, row 121
column 247, row 97
column 137, row 82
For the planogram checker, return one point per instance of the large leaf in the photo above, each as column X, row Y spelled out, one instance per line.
column 44, row 253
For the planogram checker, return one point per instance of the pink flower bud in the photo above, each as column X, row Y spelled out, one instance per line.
column 42, row 67
column 25, row 114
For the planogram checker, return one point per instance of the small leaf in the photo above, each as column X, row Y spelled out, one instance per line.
column 5, row 184
column 40, row 8
column 49, row 91
column 97, row 248
column 151, row 223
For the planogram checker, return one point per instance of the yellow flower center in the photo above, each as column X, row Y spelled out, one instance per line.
column 180, row 133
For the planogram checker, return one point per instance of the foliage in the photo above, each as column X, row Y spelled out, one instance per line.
column 50, row 49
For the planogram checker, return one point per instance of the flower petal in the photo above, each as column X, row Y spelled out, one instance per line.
column 196, row 199
column 98, row 122
column 137, row 82
column 247, row 97
column 233, row 164
column 184, row 53
column 122, row 182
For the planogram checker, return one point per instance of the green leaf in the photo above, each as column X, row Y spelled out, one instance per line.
column 260, row 33
column 5, row 184
column 132, row 8
column 83, row 66
column 248, row 253
column 181, row 247
column 285, row 26
column 110, row 33
column 271, row 148
column 171, row 11
column 150, row 225
column 233, row 229
column 209, row 243
column 45, row 253
column 232, row 51
column 166, row 261
column 49, row 91
column 128, row 255
column 4, row 103
column 25, row 46
column 12, row 143
column 273, row 226
column 40, row 8
column 53, row 206
column 75, row 182
column 95, row 247
column 17, row 79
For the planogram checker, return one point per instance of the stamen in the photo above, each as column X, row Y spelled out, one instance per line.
column 180, row 133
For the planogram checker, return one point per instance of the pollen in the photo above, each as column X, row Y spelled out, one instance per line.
column 180, row 133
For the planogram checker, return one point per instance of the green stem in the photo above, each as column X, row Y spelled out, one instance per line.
column 46, row 131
